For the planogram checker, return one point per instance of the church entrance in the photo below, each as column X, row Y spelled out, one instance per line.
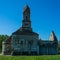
column 33, row 53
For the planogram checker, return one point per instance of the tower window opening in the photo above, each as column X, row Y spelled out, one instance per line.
column 26, row 17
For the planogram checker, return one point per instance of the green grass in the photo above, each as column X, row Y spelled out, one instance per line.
column 43, row 57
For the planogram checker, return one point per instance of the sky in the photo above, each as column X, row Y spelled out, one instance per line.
column 45, row 16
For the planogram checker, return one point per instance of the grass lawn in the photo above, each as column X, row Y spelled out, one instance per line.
column 43, row 57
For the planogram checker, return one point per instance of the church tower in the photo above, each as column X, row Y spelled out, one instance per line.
column 26, row 23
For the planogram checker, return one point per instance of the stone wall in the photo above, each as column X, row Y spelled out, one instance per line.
column 25, row 43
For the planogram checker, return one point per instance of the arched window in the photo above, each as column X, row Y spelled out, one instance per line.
column 21, row 42
column 26, row 17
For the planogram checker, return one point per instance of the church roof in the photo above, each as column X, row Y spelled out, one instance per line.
column 24, row 32
column 8, row 40
column 26, row 8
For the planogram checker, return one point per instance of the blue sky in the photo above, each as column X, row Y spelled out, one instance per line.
column 45, row 16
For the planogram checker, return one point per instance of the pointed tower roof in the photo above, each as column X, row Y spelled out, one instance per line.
column 52, row 36
column 26, row 7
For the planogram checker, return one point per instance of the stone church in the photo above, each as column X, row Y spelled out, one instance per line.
column 26, row 42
